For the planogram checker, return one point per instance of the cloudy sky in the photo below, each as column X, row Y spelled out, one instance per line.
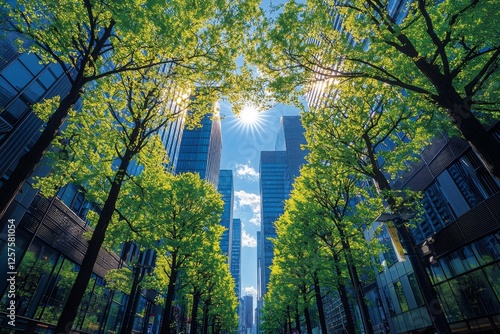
column 241, row 147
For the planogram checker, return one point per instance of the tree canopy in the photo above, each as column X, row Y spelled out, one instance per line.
column 90, row 40
column 436, row 53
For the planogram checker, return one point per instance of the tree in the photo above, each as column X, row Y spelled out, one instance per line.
column 91, row 40
column 206, row 269
column 329, row 193
column 300, row 261
column 378, row 142
column 182, row 213
column 115, row 131
column 436, row 53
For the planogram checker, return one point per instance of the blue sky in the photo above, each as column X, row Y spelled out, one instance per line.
column 241, row 147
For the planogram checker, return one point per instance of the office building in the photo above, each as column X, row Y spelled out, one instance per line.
column 201, row 149
column 226, row 189
column 277, row 171
column 247, row 314
column 235, row 259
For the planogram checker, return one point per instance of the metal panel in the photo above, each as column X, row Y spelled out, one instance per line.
column 62, row 229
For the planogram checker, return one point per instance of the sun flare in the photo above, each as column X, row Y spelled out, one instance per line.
column 249, row 115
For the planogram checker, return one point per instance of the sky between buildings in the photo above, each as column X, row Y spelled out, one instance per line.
column 241, row 147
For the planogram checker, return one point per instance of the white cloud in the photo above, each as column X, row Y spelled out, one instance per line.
column 246, row 171
column 249, row 290
column 247, row 240
column 255, row 219
column 251, row 200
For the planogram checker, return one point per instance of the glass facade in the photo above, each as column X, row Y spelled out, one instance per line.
column 290, row 138
column 277, row 172
column 226, row 189
column 235, row 260
column 201, row 149
column 275, row 188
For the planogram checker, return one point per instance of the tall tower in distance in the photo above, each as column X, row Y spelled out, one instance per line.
column 235, row 259
column 226, row 189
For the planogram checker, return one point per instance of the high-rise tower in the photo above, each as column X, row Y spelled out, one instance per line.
column 277, row 172
column 226, row 189
column 201, row 149
column 235, row 259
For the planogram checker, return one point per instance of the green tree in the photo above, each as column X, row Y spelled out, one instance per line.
column 220, row 304
column 302, row 262
column 92, row 39
column 182, row 212
column 377, row 137
column 115, row 131
column 280, row 295
column 205, row 270
column 444, row 54
column 329, row 194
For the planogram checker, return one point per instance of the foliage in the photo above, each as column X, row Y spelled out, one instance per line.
column 433, row 56
column 319, row 239
column 339, row 41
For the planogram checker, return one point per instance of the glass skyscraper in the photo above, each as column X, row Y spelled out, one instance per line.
column 201, row 149
column 226, row 189
column 235, row 259
column 277, row 172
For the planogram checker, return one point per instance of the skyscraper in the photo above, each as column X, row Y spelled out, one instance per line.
column 247, row 314
column 275, row 188
column 226, row 188
column 277, row 172
column 235, row 259
column 201, row 149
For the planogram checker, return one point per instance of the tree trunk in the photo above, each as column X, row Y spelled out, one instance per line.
column 289, row 320
column 307, row 316
column 483, row 142
column 297, row 319
column 194, row 312
column 131, row 305
column 70, row 310
column 204, row 329
column 30, row 160
column 319, row 302
column 356, row 284
column 429, row 294
column 169, row 300
column 344, row 299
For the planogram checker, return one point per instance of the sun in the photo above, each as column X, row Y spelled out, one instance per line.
column 250, row 120
column 249, row 115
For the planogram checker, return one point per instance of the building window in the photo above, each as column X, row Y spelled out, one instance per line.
column 403, row 303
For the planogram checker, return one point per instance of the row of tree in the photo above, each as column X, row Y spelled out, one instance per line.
column 380, row 86
column 113, row 152
column 135, row 68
